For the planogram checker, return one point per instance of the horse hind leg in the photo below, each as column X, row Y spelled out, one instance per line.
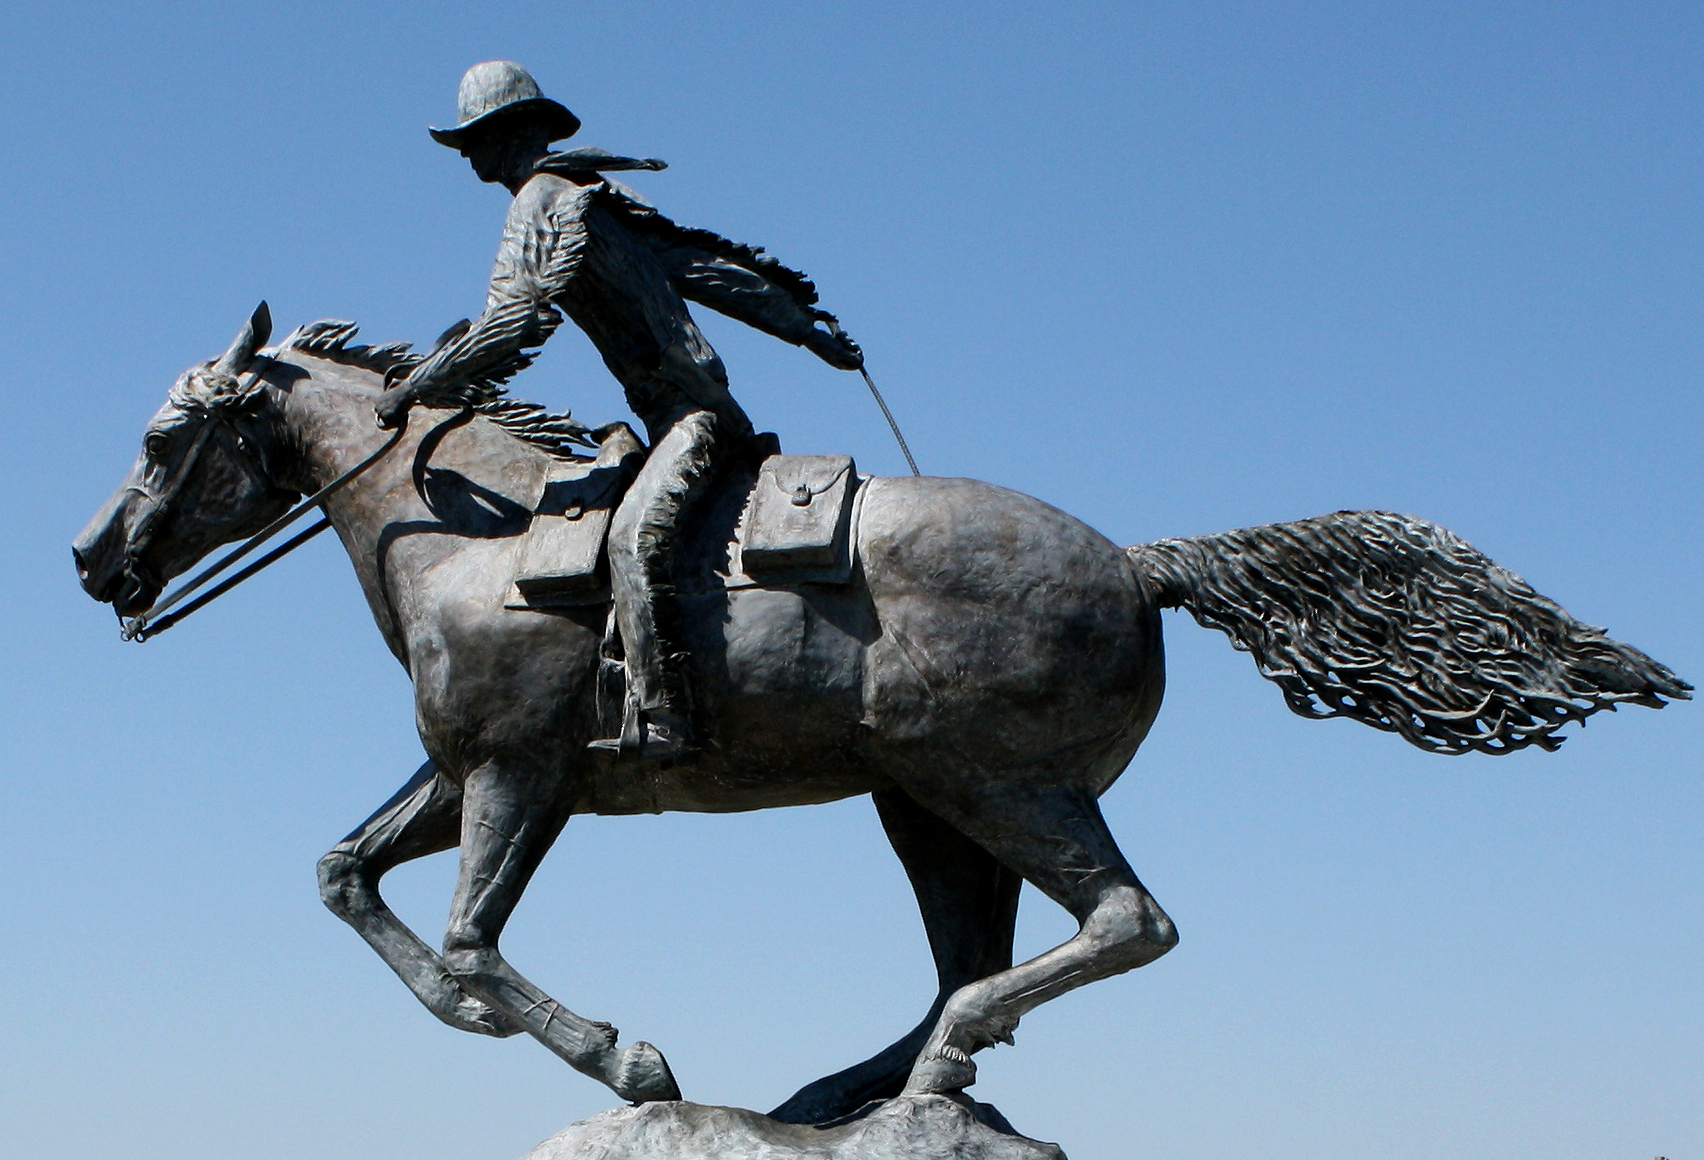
column 969, row 904
column 422, row 818
column 1056, row 838
column 509, row 821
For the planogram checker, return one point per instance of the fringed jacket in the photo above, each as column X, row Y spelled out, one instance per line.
column 580, row 245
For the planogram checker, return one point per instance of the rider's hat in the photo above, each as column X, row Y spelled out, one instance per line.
column 499, row 89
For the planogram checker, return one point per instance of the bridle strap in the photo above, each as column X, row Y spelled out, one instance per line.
column 159, row 502
column 153, row 622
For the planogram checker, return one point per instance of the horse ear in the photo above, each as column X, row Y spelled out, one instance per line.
column 254, row 335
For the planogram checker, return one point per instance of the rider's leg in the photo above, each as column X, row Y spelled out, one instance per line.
column 510, row 818
column 641, row 557
column 423, row 818
column 969, row 904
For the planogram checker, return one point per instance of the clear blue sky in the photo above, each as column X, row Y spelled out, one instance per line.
column 1175, row 268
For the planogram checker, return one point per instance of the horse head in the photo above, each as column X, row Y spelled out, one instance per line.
column 205, row 477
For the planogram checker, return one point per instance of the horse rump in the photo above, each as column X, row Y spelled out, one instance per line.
column 1400, row 624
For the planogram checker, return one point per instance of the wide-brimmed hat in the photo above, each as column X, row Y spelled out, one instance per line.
column 496, row 90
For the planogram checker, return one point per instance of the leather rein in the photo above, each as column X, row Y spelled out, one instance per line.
column 160, row 617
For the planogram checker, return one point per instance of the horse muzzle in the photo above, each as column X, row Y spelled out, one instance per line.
column 105, row 568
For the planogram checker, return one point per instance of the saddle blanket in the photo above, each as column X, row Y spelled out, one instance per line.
column 791, row 524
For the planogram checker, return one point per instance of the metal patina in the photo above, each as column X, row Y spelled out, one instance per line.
column 762, row 632
column 985, row 671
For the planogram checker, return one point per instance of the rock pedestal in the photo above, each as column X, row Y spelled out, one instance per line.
column 907, row 1128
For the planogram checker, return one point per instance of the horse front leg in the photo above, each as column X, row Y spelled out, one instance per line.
column 423, row 817
column 509, row 820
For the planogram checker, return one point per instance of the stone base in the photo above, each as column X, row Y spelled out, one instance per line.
column 907, row 1128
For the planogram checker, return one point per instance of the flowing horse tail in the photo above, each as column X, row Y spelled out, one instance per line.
column 1400, row 624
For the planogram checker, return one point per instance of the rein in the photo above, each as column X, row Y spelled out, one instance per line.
column 160, row 617
column 154, row 621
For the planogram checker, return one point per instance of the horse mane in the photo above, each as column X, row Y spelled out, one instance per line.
column 556, row 433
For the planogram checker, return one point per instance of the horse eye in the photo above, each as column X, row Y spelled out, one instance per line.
column 156, row 444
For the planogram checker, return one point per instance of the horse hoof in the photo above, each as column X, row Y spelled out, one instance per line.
column 941, row 1072
column 643, row 1076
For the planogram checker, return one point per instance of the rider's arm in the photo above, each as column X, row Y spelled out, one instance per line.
column 541, row 250
column 489, row 349
column 747, row 296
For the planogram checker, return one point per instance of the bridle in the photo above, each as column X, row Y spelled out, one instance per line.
column 159, row 502
column 220, row 408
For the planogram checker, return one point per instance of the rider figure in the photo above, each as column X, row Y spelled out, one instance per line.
column 577, row 244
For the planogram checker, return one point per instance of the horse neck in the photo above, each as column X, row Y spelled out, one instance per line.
column 326, row 416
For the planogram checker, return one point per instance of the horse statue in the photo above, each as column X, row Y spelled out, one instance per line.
column 985, row 673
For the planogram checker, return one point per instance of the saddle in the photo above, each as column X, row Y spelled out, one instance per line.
column 768, row 520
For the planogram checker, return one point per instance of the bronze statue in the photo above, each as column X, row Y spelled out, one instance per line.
column 578, row 244
column 984, row 666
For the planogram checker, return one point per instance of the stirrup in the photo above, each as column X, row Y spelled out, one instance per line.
column 648, row 735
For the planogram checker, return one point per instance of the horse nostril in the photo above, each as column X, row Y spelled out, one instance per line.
column 82, row 564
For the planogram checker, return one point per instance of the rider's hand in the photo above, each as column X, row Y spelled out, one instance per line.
column 835, row 348
column 393, row 405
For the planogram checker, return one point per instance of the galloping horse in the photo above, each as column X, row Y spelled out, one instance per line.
column 988, row 672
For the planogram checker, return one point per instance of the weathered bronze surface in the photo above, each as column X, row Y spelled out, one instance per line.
column 987, row 672
column 578, row 245
column 702, row 625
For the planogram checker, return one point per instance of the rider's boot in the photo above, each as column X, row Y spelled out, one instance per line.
column 657, row 721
